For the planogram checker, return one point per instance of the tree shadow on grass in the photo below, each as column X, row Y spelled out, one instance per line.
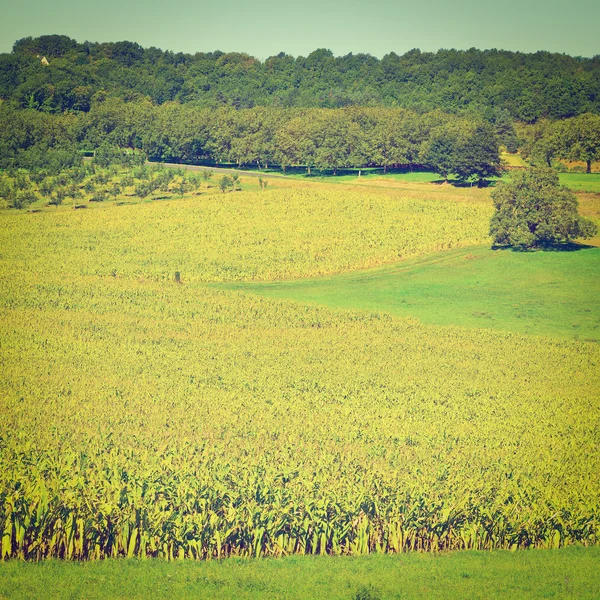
column 548, row 247
column 461, row 183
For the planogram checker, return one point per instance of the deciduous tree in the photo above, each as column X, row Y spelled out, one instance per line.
column 532, row 210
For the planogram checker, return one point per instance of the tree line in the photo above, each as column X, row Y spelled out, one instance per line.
column 54, row 73
column 327, row 139
column 576, row 139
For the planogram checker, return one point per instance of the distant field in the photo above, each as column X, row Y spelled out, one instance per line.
column 294, row 230
column 581, row 182
column 542, row 293
column 512, row 160
column 578, row 182
column 532, row 574
column 369, row 175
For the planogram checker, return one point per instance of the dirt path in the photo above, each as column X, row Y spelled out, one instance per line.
column 223, row 170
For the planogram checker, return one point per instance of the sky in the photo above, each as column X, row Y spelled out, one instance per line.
column 264, row 28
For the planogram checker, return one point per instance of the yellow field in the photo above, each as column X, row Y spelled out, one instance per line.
column 142, row 417
column 280, row 233
column 512, row 160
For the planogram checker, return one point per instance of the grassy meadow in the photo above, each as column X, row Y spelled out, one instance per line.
column 534, row 574
column 550, row 293
column 411, row 390
column 581, row 182
column 575, row 181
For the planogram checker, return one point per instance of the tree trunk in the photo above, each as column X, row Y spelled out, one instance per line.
column 589, row 165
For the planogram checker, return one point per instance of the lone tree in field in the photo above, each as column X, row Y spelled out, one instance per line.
column 534, row 210
column 225, row 183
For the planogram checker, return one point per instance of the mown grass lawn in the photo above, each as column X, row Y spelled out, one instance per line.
column 566, row 573
column 554, row 293
column 581, row 182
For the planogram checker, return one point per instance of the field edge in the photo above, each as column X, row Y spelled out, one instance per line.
column 568, row 572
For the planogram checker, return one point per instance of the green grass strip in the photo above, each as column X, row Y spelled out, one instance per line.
column 549, row 293
column 566, row 573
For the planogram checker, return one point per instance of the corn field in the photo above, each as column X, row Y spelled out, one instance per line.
column 141, row 417
column 298, row 231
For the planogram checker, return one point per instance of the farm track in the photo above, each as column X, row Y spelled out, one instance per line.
column 223, row 170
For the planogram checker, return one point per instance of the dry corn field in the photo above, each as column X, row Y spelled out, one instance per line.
column 297, row 231
column 141, row 417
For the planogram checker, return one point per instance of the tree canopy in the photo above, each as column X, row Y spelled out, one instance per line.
column 533, row 210
column 576, row 139
column 329, row 139
column 492, row 83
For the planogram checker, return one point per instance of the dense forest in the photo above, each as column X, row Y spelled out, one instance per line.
column 54, row 73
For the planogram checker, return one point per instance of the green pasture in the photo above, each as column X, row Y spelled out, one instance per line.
column 370, row 174
column 566, row 573
column 581, row 182
column 578, row 182
column 551, row 293
column 366, row 175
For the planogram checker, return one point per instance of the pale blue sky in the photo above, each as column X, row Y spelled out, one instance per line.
column 265, row 27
